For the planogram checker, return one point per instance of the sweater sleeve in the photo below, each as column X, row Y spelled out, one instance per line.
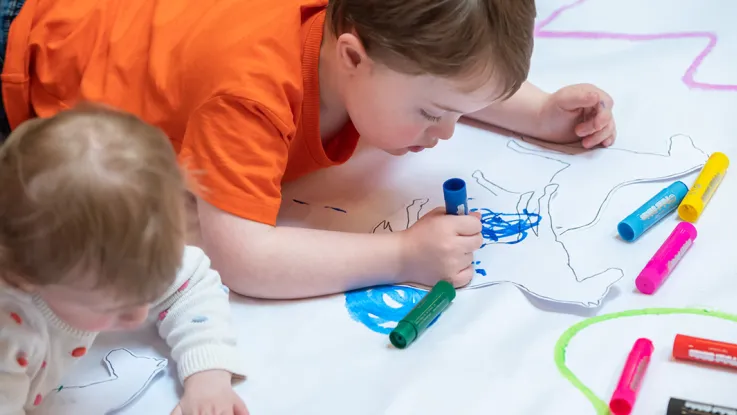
column 194, row 319
column 20, row 348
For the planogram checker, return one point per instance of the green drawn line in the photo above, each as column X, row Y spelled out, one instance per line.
column 601, row 407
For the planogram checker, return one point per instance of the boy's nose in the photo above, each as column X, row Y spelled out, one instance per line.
column 445, row 130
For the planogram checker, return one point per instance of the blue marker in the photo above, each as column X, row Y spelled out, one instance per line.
column 647, row 215
column 456, row 199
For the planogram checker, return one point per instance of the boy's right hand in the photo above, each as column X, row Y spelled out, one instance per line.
column 440, row 247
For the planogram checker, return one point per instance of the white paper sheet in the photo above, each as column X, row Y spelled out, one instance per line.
column 124, row 378
column 672, row 70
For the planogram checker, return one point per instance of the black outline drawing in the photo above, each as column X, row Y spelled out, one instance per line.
column 567, row 150
column 56, row 403
column 556, row 153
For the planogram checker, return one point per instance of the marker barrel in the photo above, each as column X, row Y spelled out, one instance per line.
column 678, row 406
column 710, row 352
column 666, row 258
column 422, row 314
column 456, row 198
column 704, row 187
column 625, row 395
column 652, row 211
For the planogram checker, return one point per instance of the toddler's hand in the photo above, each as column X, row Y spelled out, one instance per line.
column 210, row 393
column 441, row 246
column 580, row 111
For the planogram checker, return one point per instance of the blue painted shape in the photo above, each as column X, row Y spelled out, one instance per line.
column 506, row 228
column 225, row 288
column 380, row 308
column 300, row 202
column 199, row 319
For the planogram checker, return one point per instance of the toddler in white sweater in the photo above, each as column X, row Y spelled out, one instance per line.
column 92, row 231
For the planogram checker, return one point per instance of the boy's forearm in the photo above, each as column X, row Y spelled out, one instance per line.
column 519, row 113
column 260, row 261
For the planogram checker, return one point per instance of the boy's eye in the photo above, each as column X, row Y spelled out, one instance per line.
column 429, row 117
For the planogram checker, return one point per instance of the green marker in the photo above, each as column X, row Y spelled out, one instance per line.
column 417, row 320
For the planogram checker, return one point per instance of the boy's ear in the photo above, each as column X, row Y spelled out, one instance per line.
column 351, row 53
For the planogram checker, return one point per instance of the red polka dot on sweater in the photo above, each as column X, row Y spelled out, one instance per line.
column 37, row 401
column 16, row 318
column 184, row 286
column 79, row 352
column 21, row 359
column 43, row 365
column 162, row 315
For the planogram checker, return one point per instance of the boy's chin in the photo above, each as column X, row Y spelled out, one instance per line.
column 403, row 151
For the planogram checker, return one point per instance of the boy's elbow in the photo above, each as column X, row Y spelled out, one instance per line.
column 241, row 250
column 243, row 264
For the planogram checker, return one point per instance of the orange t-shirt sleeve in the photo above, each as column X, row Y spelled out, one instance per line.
column 236, row 151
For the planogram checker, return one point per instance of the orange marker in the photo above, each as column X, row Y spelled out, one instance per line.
column 705, row 351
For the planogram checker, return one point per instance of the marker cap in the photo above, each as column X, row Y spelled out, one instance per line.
column 422, row 314
column 625, row 394
column 651, row 277
column 666, row 258
column 456, row 197
column 691, row 209
column 402, row 335
column 704, row 187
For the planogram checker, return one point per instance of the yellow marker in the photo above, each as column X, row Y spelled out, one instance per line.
column 704, row 187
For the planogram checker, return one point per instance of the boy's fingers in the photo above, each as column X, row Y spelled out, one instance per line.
column 599, row 121
column 468, row 225
column 463, row 277
column 240, row 409
column 472, row 243
column 598, row 138
column 572, row 99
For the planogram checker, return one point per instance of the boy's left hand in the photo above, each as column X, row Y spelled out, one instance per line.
column 210, row 393
column 579, row 112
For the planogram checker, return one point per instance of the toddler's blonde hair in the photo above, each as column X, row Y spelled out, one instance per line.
column 94, row 192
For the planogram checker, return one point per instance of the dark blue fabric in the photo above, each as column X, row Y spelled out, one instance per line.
column 9, row 9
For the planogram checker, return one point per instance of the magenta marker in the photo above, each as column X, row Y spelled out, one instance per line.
column 666, row 258
column 628, row 387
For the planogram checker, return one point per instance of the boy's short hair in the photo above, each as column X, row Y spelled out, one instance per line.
column 447, row 38
column 91, row 192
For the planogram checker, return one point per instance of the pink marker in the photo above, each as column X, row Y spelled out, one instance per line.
column 666, row 258
column 625, row 394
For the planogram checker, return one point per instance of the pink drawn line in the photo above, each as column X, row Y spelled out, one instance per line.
column 688, row 77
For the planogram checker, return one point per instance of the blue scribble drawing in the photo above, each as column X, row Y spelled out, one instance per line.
column 506, row 228
column 380, row 308
column 479, row 270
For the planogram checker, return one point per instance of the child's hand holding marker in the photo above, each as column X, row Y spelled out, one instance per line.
column 441, row 244
column 440, row 247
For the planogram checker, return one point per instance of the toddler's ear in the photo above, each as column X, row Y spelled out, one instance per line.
column 14, row 281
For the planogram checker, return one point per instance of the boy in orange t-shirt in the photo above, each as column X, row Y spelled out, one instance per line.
column 253, row 93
